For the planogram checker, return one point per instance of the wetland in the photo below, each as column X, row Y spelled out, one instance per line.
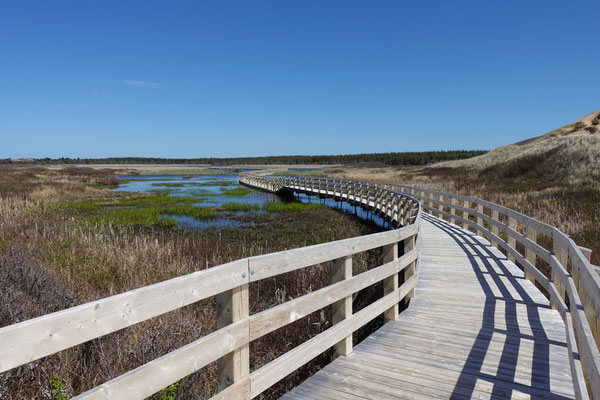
column 72, row 235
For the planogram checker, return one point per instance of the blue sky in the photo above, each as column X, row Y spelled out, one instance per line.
column 241, row 78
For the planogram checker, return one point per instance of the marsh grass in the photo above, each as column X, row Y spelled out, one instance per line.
column 238, row 191
column 145, row 179
column 574, row 208
column 292, row 206
column 169, row 184
column 54, row 255
column 147, row 217
column 237, row 207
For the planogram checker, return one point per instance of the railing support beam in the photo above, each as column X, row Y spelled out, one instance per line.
column 341, row 269
column 409, row 271
column 530, row 254
column 390, row 284
column 232, row 306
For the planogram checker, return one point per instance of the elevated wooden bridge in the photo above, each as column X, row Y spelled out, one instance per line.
column 476, row 325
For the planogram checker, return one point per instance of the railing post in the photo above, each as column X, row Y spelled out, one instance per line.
column 407, row 212
column 562, row 257
column 466, row 204
column 390, row 284
column 341, row 269
column 512, row 242
column 453, row 211
column 494, row 228
column 588, row 307
column 479, row 219
column 435, row 206
column 409, row 244
column 530, row 254
column 232, row 306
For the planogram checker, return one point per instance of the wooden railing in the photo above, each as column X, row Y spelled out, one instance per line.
column 27, row 341
column 391, row 204
column 573, row 280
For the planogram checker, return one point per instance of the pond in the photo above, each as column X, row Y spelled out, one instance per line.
column 219, row 191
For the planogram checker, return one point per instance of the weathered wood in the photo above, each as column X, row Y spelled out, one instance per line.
column 342, row 309
column 157, row 374
column 453, row 211
column 562, row 258
column 233, row 306
column 276, row 370
column 512, row 242
column 39, row 337
column 268, row 265
column 529, row 254
column 288, row 312
column 390, row 284
column 479, row 219
column 447, row 304
column 238, row 390
column 484, row 346
column 494, row 228
column 410, row 271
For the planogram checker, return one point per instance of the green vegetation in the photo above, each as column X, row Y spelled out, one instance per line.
column 215, row 183
column 157, row 199
column 168, row 184
column 145, row 211
column 291, row 206
column 235, row 207
column 58, row 388
column 147, row 216
column 238, row 191
column 127, row 180
column 169, row 392
column 53, row 258
column 102, row 185
column 189, row 210
column 404, row 158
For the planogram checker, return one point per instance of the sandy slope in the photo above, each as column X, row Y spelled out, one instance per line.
column 575, row 149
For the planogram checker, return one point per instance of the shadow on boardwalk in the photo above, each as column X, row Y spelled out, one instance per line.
column 476, row 328
column 489, row 264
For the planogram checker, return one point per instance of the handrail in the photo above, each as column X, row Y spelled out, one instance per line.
column 573, row 279
column 236, row 328
column 572, row 275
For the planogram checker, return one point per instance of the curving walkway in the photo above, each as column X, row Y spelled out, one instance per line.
column 476, row 328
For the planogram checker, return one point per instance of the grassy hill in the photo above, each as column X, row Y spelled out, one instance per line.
column 570, row 154
column 554, row 177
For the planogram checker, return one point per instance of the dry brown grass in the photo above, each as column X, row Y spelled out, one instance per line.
column 572, row 207
column 570, row 154
column 51, row 260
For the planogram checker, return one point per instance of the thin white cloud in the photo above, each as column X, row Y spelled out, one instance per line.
column 130, row 82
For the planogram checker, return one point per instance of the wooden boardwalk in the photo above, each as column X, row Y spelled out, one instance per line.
column 476, row 328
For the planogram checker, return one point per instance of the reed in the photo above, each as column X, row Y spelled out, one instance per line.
column 67, row 248
column 290, row 206
column 237, row 207
column 238, row 191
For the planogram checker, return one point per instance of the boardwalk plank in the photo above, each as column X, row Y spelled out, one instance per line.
column 476, row 328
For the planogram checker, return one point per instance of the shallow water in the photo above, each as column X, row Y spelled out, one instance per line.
column 207, row 187
column 209, row 191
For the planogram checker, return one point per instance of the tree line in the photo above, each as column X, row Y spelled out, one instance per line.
column 401, row 158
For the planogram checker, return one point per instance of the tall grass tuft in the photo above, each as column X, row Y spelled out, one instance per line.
column 290, row 206
column 238, row 191
column 235, row 207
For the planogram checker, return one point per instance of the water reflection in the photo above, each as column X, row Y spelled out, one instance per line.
column 211, row 192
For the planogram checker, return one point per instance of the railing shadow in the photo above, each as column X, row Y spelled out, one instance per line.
column 504, row 382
